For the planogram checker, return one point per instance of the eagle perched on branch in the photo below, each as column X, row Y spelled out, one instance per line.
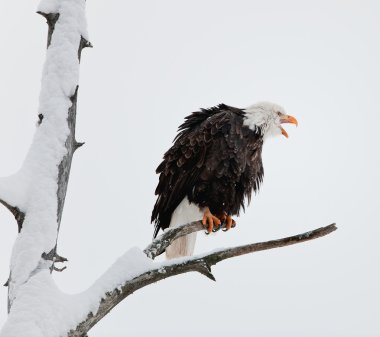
column 213, row 167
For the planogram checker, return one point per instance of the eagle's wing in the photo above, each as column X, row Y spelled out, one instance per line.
column 199, row 150
column 233, row 168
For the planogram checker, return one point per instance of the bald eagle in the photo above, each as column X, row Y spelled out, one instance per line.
column 212, row 168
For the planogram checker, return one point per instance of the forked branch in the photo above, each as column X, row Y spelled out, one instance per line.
column 201, row 264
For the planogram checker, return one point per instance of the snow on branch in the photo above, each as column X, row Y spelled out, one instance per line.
column 60, row 314
column 163, row 241
column 45, row 171
column 120, row 273
column 12, row 196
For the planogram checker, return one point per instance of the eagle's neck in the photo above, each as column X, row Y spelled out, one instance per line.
column 255, row 123
column 260, row 122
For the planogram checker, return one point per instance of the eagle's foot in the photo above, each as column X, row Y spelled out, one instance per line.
column 222, row 217
column 227, row 220
column 210, row 220
column 230, row 223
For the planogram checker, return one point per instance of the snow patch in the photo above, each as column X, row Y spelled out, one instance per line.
column 48, row 6
column 133, row 263
column 12, row 191
column 42, row 310
column 74, row 12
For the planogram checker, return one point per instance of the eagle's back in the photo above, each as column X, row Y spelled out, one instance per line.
column 215, row 161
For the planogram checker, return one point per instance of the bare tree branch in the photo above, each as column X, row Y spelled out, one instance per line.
column 19, row 216
column 83, row 44
column 59, row 269
column 51, row 20
column 201, row 264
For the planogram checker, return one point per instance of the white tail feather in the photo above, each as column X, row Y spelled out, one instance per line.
column 184, row 213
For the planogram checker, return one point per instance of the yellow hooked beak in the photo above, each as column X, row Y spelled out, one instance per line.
column 287, row 119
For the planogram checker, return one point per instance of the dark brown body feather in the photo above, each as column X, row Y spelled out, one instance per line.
column 215, row 161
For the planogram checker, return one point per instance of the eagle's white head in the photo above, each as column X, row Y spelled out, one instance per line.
column 266, row 117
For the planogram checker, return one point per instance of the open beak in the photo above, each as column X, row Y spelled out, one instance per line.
column 287, row 119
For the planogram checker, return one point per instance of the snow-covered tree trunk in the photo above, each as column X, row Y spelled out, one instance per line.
column 36, row 194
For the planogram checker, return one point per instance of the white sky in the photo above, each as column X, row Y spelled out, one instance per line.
column 153, row 63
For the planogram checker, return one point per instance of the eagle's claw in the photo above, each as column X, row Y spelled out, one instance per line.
column 227, row 221
column 230, row 223
column 217, row 229
column 210, row 220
